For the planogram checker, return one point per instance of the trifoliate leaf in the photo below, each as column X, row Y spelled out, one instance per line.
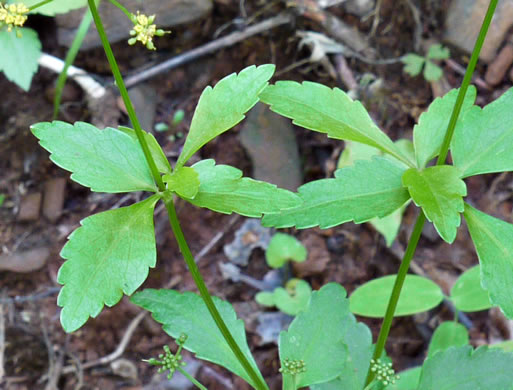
column 19, row 56
column 438, row 52
column 184, row 181
column 109, row 255
column 294, row 298
column 358, row 339
column 331, row 111
column 105, row 160
column 55, row 6
column 318, row 337
column 429, row 133
column 282, row 248
column 419, row 294
column 413, row 64
column 156, row 151
column 358, row 193
column 222, row 107
column 432, row 72
column 223, row 189
column 447, row 334
column 439, row 191
column 187, row 313
column 493, row 240
column 461, row 368
column 467, row 294
column 483, row 141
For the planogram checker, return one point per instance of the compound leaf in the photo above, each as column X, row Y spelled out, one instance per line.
column 184, row 181
column 187, row 313
column 467, row 293
column 320, row 335
column 483, row 140
column 105, row 160
column 290, row 300
column 109, row 255
column 156, row 151
column 320, row 108
column 19, row 56
column 461, row 368
column 413, row 64
column 447, row 334
column 493, row 240
column 282, row 248
column 439, row 191
column 222, row 107
column 419, row 294
column 223, row 189
column 357, row 193
column 429, row 132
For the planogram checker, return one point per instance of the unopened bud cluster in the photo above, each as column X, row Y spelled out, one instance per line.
column 384, row 372
column 13, row 15
column 293, row 367
column 144, row 30
column 168, row 361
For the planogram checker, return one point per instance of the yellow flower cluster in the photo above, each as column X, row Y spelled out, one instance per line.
column 144, row 30
column 13, row 15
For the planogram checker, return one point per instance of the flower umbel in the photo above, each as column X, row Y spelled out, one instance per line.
column 384, row 372
column 293, row 367
column 13, row 15
column 144, row 30
column 168, row 360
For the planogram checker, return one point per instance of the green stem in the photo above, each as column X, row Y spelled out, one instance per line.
column 122, row 8
column 70, row 57
column 191, row 379
column 194, row 270
column 417, row 230
column 124, row 95
column 40, row 4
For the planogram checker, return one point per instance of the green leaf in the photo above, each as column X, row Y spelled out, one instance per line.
column 413, row 64
column 19, row 56
column 223, row 189
column 2, row 199
column 317, row 336
column 55, row 6
column 432, row 72
column 408, row 379
column 438, row 52
column 282, row 248
column 187, row 313
column 467, row 293
column 358, row 339
column 418, row 295
column 429, row 133
column 447, row 334
column 483, row 141
column 389, row 226
column 184, row 181
column 493, row 240
column 506, row 346
column 109, row 255
column 294, row 298
column 105, row 160
column 265, row 298
column 320, row 108
column 439, row 191
column 222, row 107
column 156, row 151
column 358, row 193
column 461, row 368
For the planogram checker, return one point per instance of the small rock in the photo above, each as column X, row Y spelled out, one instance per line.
column 29, row 207
column 499, row 66
column 464, row 18
column 55, row 190
column 124, row 368
column 270, row 324
column 359, row 7
column 24, row 261
column 249, row 236
column 117, row 25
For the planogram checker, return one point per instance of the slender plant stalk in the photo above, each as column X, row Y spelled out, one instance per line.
column 122, row 8
column 191, row 379
column 421, row 219
column 173, row 218
column 70, row 58
column 40, row 4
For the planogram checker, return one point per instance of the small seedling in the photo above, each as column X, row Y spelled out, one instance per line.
column 414, row 64
column 290, row 300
